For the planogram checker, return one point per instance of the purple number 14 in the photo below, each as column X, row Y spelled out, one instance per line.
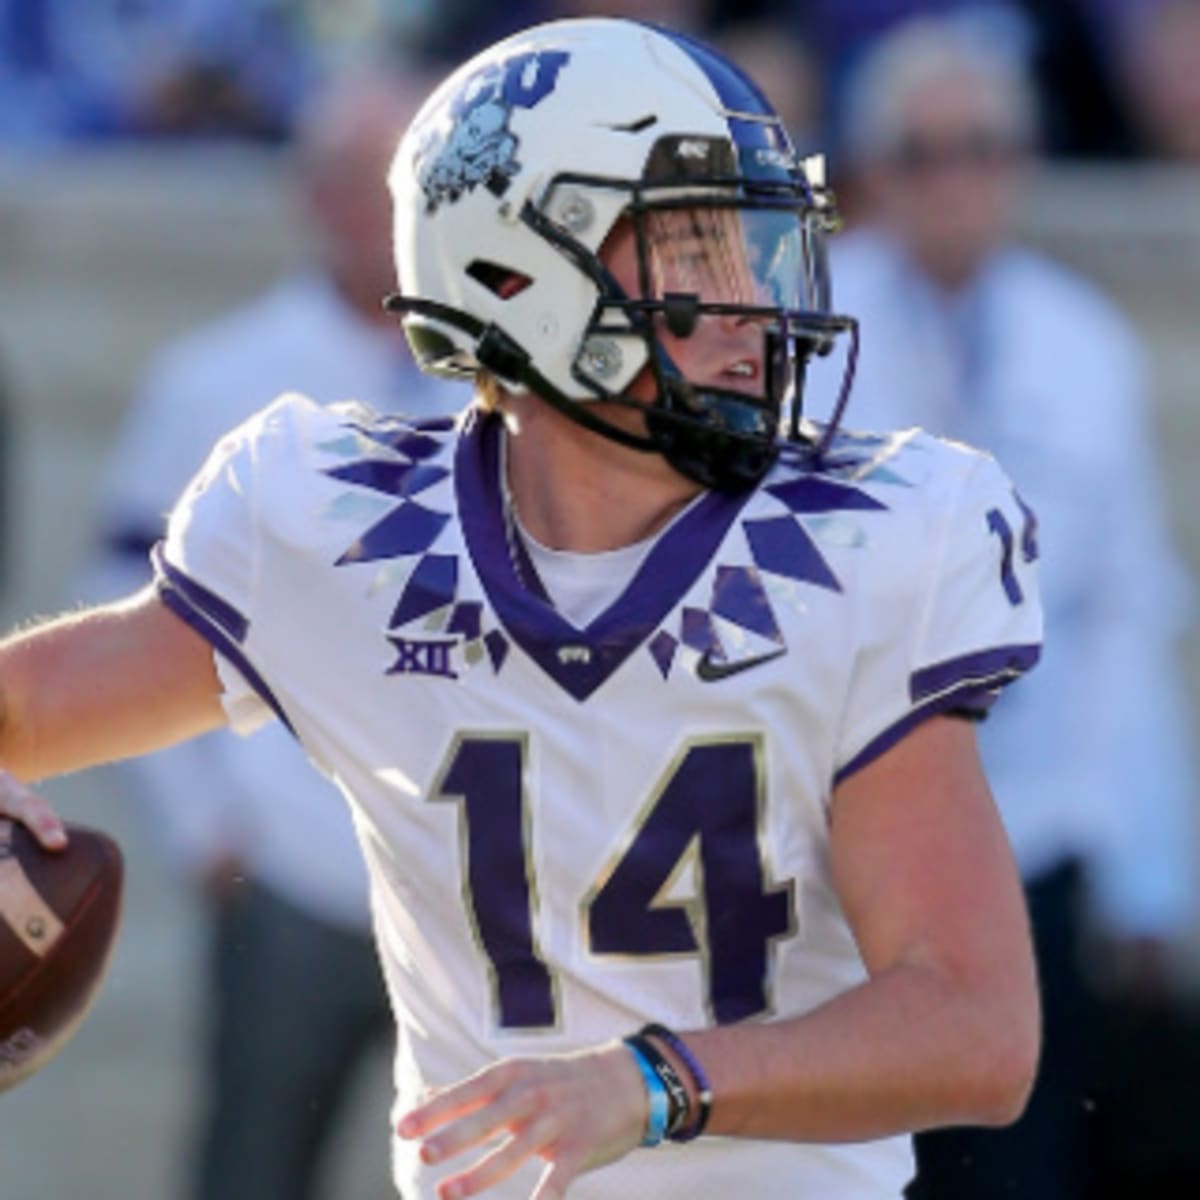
column 707, row 813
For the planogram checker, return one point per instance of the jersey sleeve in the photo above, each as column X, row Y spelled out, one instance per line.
column 207, row 568
column 967, row 624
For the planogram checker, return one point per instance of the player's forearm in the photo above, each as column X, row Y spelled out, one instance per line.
column 24, row 664
column 911, row 1049
column 100, row 685
column 8, row 720
column 56, row 711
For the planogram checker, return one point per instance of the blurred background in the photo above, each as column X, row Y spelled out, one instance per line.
column 169, row 169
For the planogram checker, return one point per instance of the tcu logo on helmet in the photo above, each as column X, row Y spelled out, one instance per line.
column 479, row 147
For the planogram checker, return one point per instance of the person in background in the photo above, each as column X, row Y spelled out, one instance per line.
column 973, row 337
column 114, row 69
column 1161, row 69
column 297, row 997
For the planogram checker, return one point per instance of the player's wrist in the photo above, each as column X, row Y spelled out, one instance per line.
column 677, row 1089
column 659, row 1100
column 698, row 1090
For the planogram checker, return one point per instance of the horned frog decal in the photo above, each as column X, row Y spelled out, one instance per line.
column 470, row 142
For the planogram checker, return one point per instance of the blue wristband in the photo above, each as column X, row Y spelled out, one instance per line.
column 699, row 1078
column 656, row 1093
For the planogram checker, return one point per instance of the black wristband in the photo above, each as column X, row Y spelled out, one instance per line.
column 699, row 1079
column 678, row 1107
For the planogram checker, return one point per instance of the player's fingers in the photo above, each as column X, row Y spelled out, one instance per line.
column 555, row 1179
column 511, row 1109
column 498, row 1164
column 452, row 1102
column 25, row 805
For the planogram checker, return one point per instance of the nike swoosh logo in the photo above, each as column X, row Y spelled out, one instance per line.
column 710, row 670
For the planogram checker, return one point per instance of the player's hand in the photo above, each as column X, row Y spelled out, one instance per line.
column 575, row 1111
column 25, row 805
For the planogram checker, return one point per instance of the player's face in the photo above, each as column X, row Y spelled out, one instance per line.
column 721, row 256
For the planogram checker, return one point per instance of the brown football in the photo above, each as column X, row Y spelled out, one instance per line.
column 58, row 921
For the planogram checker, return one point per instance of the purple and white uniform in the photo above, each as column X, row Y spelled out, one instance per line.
column 570, row 831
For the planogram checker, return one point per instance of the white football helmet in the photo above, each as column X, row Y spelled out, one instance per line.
column 517, row 169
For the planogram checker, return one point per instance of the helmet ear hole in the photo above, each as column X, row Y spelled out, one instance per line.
column 501, row 281
column 434, row 350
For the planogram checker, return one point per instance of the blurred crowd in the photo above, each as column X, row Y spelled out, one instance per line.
column 1116, row 78
column 932, row 112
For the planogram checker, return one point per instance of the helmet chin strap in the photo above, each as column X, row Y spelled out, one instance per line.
column 732, row 461
column 499, row 353
column 672, row 434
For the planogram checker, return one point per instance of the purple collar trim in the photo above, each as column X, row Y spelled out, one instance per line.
column 578, row 660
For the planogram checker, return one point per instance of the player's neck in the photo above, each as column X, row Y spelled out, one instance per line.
column 576, row 491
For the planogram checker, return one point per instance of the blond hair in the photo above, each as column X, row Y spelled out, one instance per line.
column 489, row 392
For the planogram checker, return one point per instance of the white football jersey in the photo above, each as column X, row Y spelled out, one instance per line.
column 571, row 832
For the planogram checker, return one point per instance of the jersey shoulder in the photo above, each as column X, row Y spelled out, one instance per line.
column 908, row 473
column 900, row 514
column 935, row 555
column 294, row 435
column 301, row 468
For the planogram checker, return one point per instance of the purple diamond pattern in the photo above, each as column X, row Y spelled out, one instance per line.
column 431, row 586
column 402, row 438
column 780, row 545
column 391, row 478
column 697, row 631
column 739, row 597
column 408, row 529
column 435, row 424
column 812, row 494
column 467, row 619
column 662, row 650
column 497, row 648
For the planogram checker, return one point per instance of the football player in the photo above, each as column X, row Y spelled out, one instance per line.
column 655, row 721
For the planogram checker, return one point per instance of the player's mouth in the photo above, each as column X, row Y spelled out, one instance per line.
column 741, row 375
column 744, row 368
